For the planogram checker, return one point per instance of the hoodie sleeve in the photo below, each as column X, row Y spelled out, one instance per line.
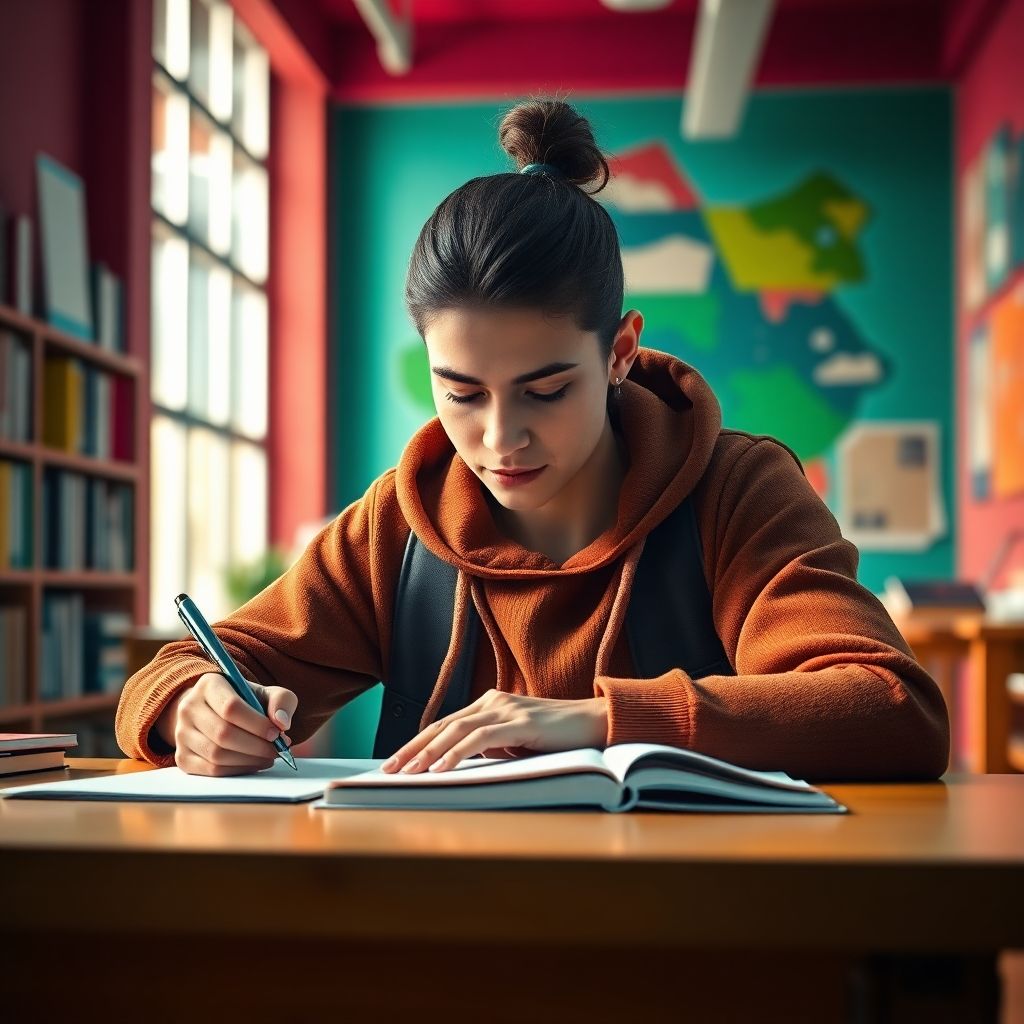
column 314, row 631
column 826, row 687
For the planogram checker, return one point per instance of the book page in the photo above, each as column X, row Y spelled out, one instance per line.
column 276, row 784
column 621, row 757
column 482, row 771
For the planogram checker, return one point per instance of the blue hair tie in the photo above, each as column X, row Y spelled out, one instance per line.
column 542, row 169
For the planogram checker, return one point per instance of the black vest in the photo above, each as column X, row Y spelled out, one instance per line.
column 668, row 625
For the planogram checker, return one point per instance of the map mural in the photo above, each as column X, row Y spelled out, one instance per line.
column 743, row 293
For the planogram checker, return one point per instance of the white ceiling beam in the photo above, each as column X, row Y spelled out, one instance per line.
column 636, row 5
column 393, row 35
column 730, row 37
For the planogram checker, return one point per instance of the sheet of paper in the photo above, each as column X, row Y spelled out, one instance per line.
column 277, row 784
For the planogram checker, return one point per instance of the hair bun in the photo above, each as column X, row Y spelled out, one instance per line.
column 552, row 132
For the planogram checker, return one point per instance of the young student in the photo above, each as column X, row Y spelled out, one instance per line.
column 515, row 285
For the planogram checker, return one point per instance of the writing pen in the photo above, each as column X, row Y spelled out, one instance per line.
column 215, row 651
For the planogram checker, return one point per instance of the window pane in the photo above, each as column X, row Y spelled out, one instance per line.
column 212, row 51
column 167, row 520
column 209, row 214
column 170, row 151
column 208, row 519
column 209, row 339
column 248, row 503
column 169, row 305
column 249, row 235
column 249, row 361
column 252, row 93
column 171, row 35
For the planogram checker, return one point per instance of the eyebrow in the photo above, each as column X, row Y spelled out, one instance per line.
column 545, row 371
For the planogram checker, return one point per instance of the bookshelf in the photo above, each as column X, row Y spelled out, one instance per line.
column 101, row 576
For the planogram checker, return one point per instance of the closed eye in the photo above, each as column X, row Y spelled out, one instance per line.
column 553, row 396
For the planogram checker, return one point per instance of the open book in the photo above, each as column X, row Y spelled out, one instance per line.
column 619, row 778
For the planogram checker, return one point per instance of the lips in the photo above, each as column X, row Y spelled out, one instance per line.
column 516, row 472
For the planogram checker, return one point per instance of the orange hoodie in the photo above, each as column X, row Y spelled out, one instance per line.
column 825, row 687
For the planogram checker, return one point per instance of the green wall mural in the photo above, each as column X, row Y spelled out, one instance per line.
column 804, row 268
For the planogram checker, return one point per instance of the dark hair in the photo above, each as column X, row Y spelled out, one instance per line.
column 536, row 240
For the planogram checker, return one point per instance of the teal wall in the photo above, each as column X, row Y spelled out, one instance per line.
column 390, row 166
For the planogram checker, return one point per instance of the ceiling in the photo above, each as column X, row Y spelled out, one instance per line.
column 450, row 11
column 465, row 49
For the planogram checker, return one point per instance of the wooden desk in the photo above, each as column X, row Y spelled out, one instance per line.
column 257, row 912
column 991, row 652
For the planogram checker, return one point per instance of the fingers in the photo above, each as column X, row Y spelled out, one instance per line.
column 280, row 705
column 486, row 708
column 476, row 742
column 222, row 734
column 219, row 694
column 455, row 739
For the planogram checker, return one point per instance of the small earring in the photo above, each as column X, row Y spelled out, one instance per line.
column 618, row 388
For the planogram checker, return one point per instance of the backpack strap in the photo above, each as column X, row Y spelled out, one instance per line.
column 669, row 620
column 669, row 624
column 421, row 631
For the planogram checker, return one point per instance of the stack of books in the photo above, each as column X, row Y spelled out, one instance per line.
column 33, row 752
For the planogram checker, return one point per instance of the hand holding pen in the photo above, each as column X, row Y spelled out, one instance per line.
column 221, row 727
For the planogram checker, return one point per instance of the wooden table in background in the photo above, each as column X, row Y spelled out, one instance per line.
column 256, row 912
column 991, row 651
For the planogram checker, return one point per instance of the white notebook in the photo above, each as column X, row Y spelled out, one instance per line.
column 274, row 785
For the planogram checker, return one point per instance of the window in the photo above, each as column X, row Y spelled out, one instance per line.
column 209, row 489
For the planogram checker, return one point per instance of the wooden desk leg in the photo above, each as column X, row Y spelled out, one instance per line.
column 941, row 666
column 991, row 661
column 889, row 989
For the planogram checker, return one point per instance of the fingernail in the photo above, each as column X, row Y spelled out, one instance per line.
column 437, row 765
column 412, row 765
column 389, row 763
column 283, row 717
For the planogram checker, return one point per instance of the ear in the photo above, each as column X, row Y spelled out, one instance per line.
column 626, row 345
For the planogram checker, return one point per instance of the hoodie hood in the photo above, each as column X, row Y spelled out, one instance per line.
column 669, row 419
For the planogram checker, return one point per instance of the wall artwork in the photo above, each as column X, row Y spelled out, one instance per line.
column 991, row 218
column 992, row 261
column 890, row 493
column 746, row 293
column 979, row 420
column 1006, row 324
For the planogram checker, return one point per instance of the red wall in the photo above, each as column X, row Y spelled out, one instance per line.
column 990, row 93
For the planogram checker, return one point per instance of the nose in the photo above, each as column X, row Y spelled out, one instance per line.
column 504, row 430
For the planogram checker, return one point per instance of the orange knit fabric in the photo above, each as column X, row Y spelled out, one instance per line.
column 826, row 688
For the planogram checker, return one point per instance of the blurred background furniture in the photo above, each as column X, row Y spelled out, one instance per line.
column 976, row 663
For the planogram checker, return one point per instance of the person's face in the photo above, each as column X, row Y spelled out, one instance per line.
column 497, row 419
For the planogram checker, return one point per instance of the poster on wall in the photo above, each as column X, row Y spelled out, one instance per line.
column 997, row 209
column 1006, row 325
column 972, row 221
column 890, row 494
column 1017, row 201
column 750, row 293
column 979, row 414
column 991, row 218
